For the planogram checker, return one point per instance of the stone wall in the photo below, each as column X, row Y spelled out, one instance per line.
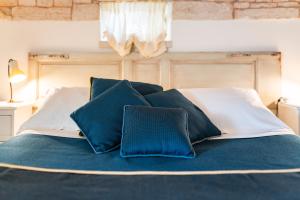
column 49, row 10
column 189, row 9
column 236, row 9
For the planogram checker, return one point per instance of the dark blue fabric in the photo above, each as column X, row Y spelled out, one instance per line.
column 200, row 127
column 273, row 152
column 30, row 185
column 99, row 85
column 100, row 120
column 149, row 131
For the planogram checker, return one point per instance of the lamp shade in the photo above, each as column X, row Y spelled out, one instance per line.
column 15, row 74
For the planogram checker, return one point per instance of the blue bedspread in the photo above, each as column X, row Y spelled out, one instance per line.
column 262, row 154
column 273, row 152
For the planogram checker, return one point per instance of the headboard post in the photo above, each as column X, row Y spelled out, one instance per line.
column 127, row 69
column 165, row 73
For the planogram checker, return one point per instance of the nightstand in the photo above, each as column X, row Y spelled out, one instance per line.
column 290, row 114
column 12, row 115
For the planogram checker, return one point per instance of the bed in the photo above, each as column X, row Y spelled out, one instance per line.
column 44, row 165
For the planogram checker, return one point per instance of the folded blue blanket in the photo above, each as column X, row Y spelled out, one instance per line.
column 272, row 152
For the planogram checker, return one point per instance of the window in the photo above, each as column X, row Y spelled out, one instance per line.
column 144, row 24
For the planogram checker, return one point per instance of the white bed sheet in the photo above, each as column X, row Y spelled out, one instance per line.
column 237, row 112
column 75, row 134
column 230, row 136
column 59, row 133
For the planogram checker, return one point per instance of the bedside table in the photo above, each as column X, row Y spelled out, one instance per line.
column 290, row 114
column 12, row 115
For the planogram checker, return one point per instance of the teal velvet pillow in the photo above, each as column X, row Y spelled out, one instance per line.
column 99, row 85
column 100, row 120
column 149, row 131
column 200, row 127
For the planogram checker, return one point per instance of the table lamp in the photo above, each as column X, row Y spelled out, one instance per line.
column 15, row 75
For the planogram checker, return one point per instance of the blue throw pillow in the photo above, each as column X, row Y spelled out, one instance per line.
column 99, row 85
column 100, row 120
column 200, row 127
column 149, row 131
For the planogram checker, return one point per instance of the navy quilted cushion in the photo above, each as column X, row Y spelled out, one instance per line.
column 200, row 127
column 149, row 131
column 100, row 120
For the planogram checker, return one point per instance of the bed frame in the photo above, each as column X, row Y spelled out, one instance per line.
column 260, row 70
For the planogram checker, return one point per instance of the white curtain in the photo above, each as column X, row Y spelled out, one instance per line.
column 141, row 23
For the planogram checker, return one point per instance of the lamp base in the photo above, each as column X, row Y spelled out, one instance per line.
column 13, row 101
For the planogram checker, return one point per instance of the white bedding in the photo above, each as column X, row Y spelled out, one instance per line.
column 54, row 114
column 228, row 136
column 238, row 113
column 58, row 133
column 75, row 134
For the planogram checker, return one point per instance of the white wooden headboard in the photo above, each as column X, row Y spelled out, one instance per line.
column 260, row 70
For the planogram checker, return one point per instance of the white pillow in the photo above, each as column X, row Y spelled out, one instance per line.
column 238, row 113
column 55, row 111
